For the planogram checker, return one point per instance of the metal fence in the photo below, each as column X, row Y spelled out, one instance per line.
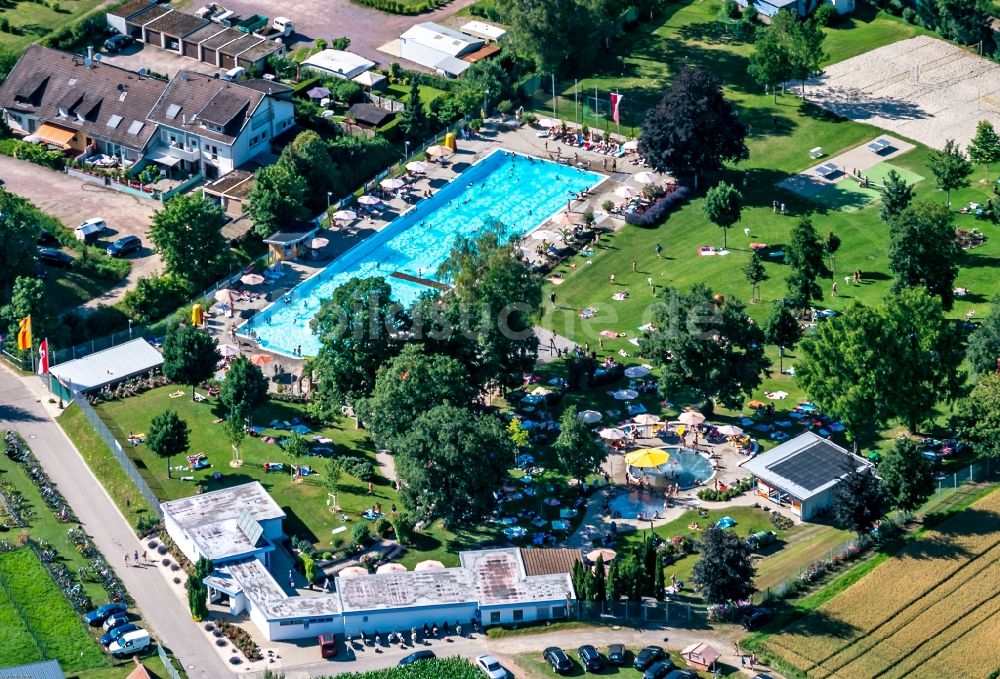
column 172, row 672
column 126, row 463
column 977, row 472
column 631, row 612
column 579, row 105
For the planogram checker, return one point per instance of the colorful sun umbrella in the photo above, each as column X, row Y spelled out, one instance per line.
column 261, row 359
column 647, row 457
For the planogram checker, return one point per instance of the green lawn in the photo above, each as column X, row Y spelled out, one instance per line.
column 402, row 93
column 69, row 289
column 803, row 545
column 37, row 622
column 44, row 526
column 31, row 21
column 304, row 502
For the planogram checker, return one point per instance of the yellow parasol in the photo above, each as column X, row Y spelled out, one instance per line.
column 647, row 457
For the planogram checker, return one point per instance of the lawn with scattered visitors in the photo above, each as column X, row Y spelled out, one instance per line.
column 930, row 611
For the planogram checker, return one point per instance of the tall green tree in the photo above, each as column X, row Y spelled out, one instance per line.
column 771, row 60
column 556, row 36
column 723, row 206
column 896, row 196
column 613, row 583
column 951, row 168
column 581, row 582
column 804, row 256
column 707, row 344
column 983, row 349
column 907, row 476
column 487, row 80
column 308, row 156
column 28, row 298
column 830, row 246
column 923, row 251
column 18, row 231
column 413, row 121
column 187, row 233
column 277, row 199
column 579, row 452
column 450, row 462
column 805, row 48
column 236, row 429
column 190, row 356
column 358, row 329
column 600, row 580
column 724, row 573
column 755, row 274
column 409, row 384
column 978, row 417
column 694, row 128
column 168, row 435
column 859, row 501
column 782, row 330
column 244, row 389
column 984, row 148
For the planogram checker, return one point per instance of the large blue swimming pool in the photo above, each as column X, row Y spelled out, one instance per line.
column 519, row 191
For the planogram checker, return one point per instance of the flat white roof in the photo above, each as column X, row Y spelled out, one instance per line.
column 441, row 38
column 223, row 504
column 109, row 366
column 339, row 63
column 481, row 29
column 263, row 590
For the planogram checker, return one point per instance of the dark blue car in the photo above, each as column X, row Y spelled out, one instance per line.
column 124, row 246
column 116, row 632
column 101, row 613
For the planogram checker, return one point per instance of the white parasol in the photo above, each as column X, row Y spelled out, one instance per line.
column 590, row 416
column 627, row 192
column 549, row 122
column 636, row 371
column 646, row 177
column 344, row 215
column 369, row 200
column 416, row 166
column 613, row 434
column 626, row 395
column 392, row 183
column 691, row 418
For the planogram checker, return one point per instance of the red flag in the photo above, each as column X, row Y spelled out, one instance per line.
column 43, row 357
column 616, row 100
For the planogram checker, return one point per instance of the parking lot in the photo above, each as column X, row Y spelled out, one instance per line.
column 73, row 200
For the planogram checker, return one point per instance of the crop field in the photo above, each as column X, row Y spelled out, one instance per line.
column 932, row 611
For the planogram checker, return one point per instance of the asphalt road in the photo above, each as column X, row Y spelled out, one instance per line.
column 73, row 200
column 22, row 410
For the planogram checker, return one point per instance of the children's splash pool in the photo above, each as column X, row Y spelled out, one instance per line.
column 519, row 191
column 687, row 468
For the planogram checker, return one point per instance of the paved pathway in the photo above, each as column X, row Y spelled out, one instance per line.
column 23, row 408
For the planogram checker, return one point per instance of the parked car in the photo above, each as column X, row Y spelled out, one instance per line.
column 590, row 658
column 557, row 659
column 116, row 632
column 417, row 657
column 129, row 643
column 647, row 657
column 762, row 676
column 89, row 230
column 118, row 42
column 54, row 257
column 114, row 620
column 681, row 674
column 659, row 669
column 234, row 74
column 616, row 654
column 756, row 618
column 491, row 667
column 101, row 613
column 327, row 645
column 124, row 245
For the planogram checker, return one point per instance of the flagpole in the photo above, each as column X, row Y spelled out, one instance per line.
column 618, row 111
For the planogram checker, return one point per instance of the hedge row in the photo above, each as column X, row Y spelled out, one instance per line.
column 401, row 6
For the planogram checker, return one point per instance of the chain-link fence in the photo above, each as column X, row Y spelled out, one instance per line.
column 116, row 449
column 584, row 103
column 646, row 613
column 977, row 472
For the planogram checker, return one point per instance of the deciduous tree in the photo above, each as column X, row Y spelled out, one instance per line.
column 18, row 232
column 308, row 156
column 168, row 436
column 723, row 206
column 707, row 344
column 724, row 573
column 978, row 417
column 951, row 168
column 244, row 389
column 694, row 128
column 907, row 476
column 580, row 453
column 190, row 356
column 755, row 275
column 983, row 350
column 923, row 251
column 985, row 146
column 859, row 501
column 277, row 199
column 771, row 62
column 187, row 234
column 28, row 298
column 896, row 196
column 782, row 330
column 804, row 255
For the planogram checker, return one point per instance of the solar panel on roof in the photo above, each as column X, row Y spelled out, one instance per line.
column 813, row 467
column 250, row 526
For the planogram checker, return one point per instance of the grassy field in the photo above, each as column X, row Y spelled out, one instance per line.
column 69, row 289
column 930, row 611
column 781, row 134
column 37, row 622
column 31, row 21
column 304, row 502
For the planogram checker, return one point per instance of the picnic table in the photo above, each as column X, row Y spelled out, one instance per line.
column 816, row 152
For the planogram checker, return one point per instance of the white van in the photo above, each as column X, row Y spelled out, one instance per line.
column 90, row 230
column 129, row 643
column 234, row 73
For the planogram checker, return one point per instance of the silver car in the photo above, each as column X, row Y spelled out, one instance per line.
column 491, row 667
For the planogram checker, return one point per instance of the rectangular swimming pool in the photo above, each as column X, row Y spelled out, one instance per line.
column 519, row 191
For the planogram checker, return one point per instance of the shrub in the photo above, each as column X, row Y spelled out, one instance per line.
column 146, row 524
column 321, row 44
column 505, row 107
column 608, row 205
column 403, row 526
column 154, row 297
column 383, row 528
column 358, row 467
column 529, row 118
column 658, row 211
column 96, row 263
column 826, row 14
column 360, row 535
column 780, row 521
column 39, row 155
column 339, row 43
column 910, row 16
column 4, row 24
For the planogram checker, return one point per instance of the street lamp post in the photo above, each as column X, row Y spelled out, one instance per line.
column 130, row 328
column 329, row 197
column 406, row 149
column 486, row 94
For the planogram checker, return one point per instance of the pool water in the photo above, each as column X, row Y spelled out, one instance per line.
column 683, row 468
column 519, row 191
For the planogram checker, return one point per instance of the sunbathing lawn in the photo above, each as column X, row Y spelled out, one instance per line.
column 69, row 289
column 31, row 21
column 781, row 135
column 304, row 502
column 37, row 622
